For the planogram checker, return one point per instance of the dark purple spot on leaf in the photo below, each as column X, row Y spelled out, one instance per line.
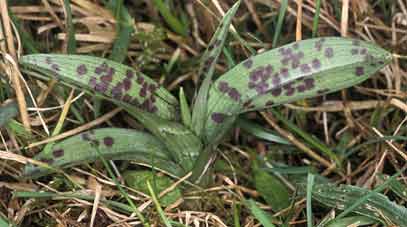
column 58, row 153
column 55, row 67
column 129, row 74
column 276, row 91
column 101, row 87
column 329, row 52
column 269, row 69
column 152, row 88
column 309, row 83
column 218, row 117
column 305, row 68
column 316, row 64
column 301, row 88
column 248, row 63
column 81, row 70
column 276, row 80
column 269, row 103
column 106, row 79
column 93, row 82
column 143, row 91
column 288, row 51
column 359, row 71
column 234, row 94
column 108, row 141
column 289, row 90
column 127, row 84
column 140, row 79
column 363, row 51
column 47, row 160
column 284, row 72
column 110, row 71
column 223, row 86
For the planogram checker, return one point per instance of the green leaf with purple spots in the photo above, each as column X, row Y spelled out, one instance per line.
column 207, row 67
column 107, row 78
column 112, row 144
column 293, row 72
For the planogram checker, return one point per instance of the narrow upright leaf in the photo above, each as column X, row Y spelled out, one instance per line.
column 107, row 78
column 296, row 71
column 71, row 48
column 124, row 30
column 185, row 110
column 209, row 60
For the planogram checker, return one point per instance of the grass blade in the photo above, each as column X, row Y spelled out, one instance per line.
column 315, row 142
column 310, row 185
column 280, row 21
column 124, row 30
column 158, row 206
column 171, row 20
column 260, row 132
column 27, row 40
column 107, row 78
column 71, row 49
column 209, row 59
column 316, row 18
column 293, row 72
column 109, row 143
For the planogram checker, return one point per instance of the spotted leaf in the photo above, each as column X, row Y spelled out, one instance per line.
column 110, row 143
column 107, row 78
column 208, row 62
column 296, row 71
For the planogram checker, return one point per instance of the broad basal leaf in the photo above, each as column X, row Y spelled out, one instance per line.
column 296, row 71
column 112, row 144
column 107, row 78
